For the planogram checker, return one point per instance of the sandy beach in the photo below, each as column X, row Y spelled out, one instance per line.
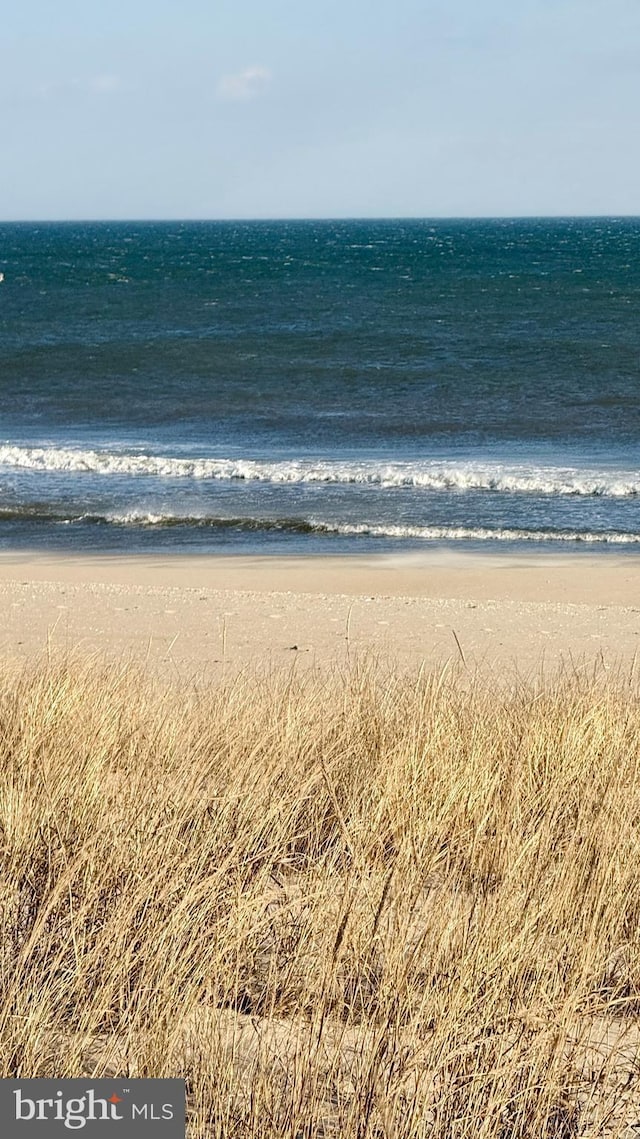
column 206, row 615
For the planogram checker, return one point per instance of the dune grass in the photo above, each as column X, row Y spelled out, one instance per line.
column 357, row 905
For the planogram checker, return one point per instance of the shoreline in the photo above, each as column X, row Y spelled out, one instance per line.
column 209, row 616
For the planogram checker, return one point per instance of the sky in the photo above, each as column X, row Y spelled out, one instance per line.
column 319, row 108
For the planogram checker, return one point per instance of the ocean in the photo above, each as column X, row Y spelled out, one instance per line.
column 320, row 386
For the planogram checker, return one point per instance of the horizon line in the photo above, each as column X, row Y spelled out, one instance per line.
column 135, row 219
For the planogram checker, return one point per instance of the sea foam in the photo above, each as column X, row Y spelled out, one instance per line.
column 428, row 475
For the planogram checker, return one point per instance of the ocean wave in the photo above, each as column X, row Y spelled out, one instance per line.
column 481, row 534
column 154, row 520
column 429, row 475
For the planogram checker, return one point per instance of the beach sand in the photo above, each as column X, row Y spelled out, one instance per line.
column 208, row 615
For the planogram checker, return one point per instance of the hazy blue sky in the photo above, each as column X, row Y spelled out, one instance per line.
column 307, row 108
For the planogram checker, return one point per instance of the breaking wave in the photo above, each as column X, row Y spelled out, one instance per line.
column 484, row 534
column 429, row 475
column 149, row 519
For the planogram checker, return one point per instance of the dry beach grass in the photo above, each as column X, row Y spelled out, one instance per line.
column 359, row 903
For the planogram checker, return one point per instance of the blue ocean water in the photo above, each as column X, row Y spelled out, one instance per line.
column 275, row 387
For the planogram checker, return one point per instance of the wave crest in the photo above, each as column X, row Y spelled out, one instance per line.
column 154, row 520
column 428, row 475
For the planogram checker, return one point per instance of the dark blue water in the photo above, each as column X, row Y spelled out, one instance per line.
column 320, row 386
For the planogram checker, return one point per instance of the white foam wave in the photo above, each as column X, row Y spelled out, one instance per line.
column 138, row 518
column 429, row 475
column 424, row 533
column 145, row 518
column 479, row 534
